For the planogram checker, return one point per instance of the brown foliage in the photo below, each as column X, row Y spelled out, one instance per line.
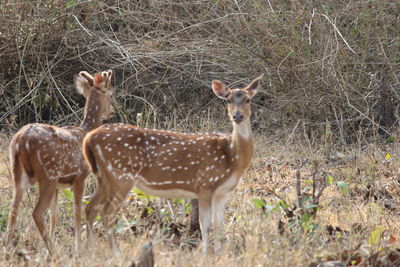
column 326, row 62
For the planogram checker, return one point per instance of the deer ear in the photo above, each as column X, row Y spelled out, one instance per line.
column 110, row 73
column 253, row 86
column 87, row 76
column 83, row 83
column 220, row 89
column 107, row 74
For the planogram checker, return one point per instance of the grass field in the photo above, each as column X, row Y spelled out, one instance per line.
column 357, row 220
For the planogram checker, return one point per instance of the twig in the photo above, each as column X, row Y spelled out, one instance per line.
column 362, row 114
column 280, row 197
column 309, row 26
column 270, row 6
column 280, row 63
column 337, row 30
column 298, row 190
column 206, row 22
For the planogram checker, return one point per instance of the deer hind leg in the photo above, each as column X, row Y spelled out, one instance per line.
column 218, row 208
column 21, row 182
column 110, row 209
column 78, row 188
column 53, row 216
column 47, row 189
column 205, row 220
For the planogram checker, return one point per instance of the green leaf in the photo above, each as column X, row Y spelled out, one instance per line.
column 344, row 188
column 71, row 3
column 310, row 206
column 150, row 210
column 375, row 236
column 283, row 204
column 390, row 139
column 188, row 208
column 178, row 200
column 258, row 203
column 330, row 180
column 3, row 220
column 308, row 181
column 68, row 194
column 306, row 199
column 142, row 194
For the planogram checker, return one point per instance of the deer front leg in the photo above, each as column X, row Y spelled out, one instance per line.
column 218, row 208
column 53, row 216
column 194, row 217
column 78, row 189
column 205, row 220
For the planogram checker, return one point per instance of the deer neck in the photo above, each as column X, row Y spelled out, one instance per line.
column 92, row 118
column 242, row 144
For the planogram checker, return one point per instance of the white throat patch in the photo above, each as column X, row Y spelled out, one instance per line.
column 243, row 129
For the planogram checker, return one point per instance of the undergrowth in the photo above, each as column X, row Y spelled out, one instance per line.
column 271, row 218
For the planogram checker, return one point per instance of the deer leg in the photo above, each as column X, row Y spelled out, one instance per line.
column 18, row 192
column 218, row 208
column 53, row 216
column 109, row 224
column 94, row 207
column 46, row 193
column 109, row 212
column 194, row 217
column 205, row 220
column 78, row 189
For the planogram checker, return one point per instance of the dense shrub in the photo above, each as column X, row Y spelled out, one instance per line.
column 327, row 64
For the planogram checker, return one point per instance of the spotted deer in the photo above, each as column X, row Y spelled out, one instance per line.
column 52, row 157
column 200, row 166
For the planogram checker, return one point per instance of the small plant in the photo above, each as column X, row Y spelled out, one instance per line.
column 69, row 197
column 300, row 216
column 3, row 220
column 343, row 187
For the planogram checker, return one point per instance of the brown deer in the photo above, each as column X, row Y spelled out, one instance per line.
column 169, row 164
column 52, row 157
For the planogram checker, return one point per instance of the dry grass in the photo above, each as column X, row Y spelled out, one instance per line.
column 332, row 63
column 252, row 237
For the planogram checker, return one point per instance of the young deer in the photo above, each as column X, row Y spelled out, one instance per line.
column 168, row 164
column 51, row 156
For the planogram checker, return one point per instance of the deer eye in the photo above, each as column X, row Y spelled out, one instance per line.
column 248, row 101
column 229, row 101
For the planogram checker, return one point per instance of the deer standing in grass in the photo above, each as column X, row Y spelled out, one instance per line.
column 168, row 164
column 52, row 156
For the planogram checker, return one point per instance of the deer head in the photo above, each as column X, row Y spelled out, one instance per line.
column 238, row 99
column 99, row 85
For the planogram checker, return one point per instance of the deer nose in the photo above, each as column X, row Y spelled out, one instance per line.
column 237, row 117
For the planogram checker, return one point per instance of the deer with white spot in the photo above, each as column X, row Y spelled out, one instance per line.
column 52, row 157
column 170, row 164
